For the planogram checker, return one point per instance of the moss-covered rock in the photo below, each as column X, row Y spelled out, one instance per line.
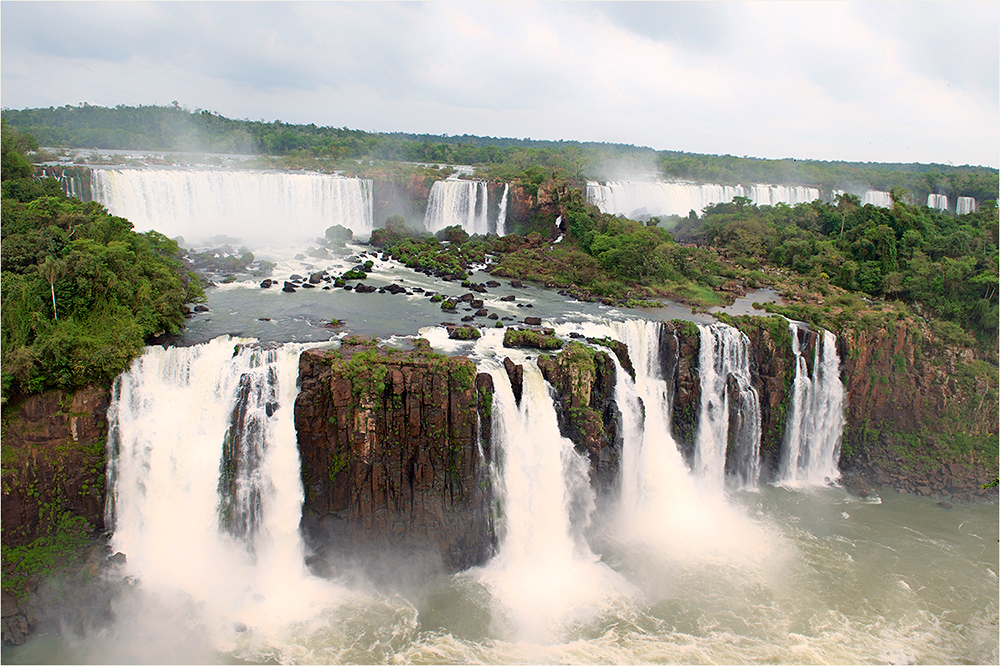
column 390, row 458
column 544, row 339
column 584, row 381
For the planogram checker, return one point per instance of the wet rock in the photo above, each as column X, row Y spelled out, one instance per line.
column 515, row 373
column 533, row 321
column 391, row 461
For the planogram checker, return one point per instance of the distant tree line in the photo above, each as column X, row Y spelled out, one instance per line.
column 176, row 128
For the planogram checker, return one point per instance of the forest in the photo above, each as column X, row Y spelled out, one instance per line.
column 82, row 291
column 175, row 128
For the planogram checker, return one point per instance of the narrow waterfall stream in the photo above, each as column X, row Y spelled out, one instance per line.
column 730, row 409
column 811, row 449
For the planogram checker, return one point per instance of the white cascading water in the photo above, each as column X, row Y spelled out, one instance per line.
column 458, row 202
column 937, row 201
column 725, row 355
column 965, row 205
column 653, row 472
column 815, row 420
column 238, row 556
column 877, row 198
column 502, row 216
column 637, row 199
column 250, row 205
column 545, row 573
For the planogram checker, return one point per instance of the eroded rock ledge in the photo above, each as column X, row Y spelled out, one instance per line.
column 390, row 457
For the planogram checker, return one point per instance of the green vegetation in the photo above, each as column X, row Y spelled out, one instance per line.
column 82, row 292
column 62, row 544
column 941, row 265
column 519, row 337
column 607, row 256
column 526, row 161
column 465, row 333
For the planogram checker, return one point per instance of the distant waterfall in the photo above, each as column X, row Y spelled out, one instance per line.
column 937, row 201
column 250, row 205
column 730, row 408
column 965, row 205
column 502, row 216
column 458, row 202
column 877, row 198
column 642, row 200
column 815, row 420
column 204, row 478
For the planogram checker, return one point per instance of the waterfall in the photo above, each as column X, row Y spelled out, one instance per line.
column 642, row 200
column 458, row 202
column 502, row 216
column 937, row 201
column 653, row 471
column 205, row 494
column 544, row 570
column 250, row 205
column 815, row 420
column 877, row 198
column 730, row 409
column 965, row 205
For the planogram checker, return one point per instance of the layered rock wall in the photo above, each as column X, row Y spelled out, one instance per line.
column 390, row 454
column 53, row 461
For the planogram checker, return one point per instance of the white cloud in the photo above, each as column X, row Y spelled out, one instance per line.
column 868, row 81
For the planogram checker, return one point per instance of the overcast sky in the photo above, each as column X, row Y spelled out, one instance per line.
column 875, row 81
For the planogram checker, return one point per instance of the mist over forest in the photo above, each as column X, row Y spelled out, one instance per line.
column 176, row 128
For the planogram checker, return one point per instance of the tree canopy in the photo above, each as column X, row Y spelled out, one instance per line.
column 82, row 291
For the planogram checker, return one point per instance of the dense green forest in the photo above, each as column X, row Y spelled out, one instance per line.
column 175, row 128
column 945, row 267
column 82, row 292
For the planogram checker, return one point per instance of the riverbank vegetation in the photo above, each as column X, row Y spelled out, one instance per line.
column 82, row 291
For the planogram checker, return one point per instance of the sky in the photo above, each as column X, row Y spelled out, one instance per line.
column 862, row 82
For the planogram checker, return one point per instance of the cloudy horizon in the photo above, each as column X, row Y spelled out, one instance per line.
column 860, row 82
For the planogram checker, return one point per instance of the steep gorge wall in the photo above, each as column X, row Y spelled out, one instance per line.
column 922, row 416
column 390, row 454
column 53, row 462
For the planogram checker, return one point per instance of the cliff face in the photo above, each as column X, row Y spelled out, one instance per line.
column 922, row 416
column 390, row 457
column 53, row 462
column 584, row 381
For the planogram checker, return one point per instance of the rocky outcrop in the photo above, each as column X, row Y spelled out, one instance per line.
column 679, row 346
column 405, row 196
column 920, row 413
column 53, row 461
column 584, row 381
column 390, row 458
column 53, row 468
